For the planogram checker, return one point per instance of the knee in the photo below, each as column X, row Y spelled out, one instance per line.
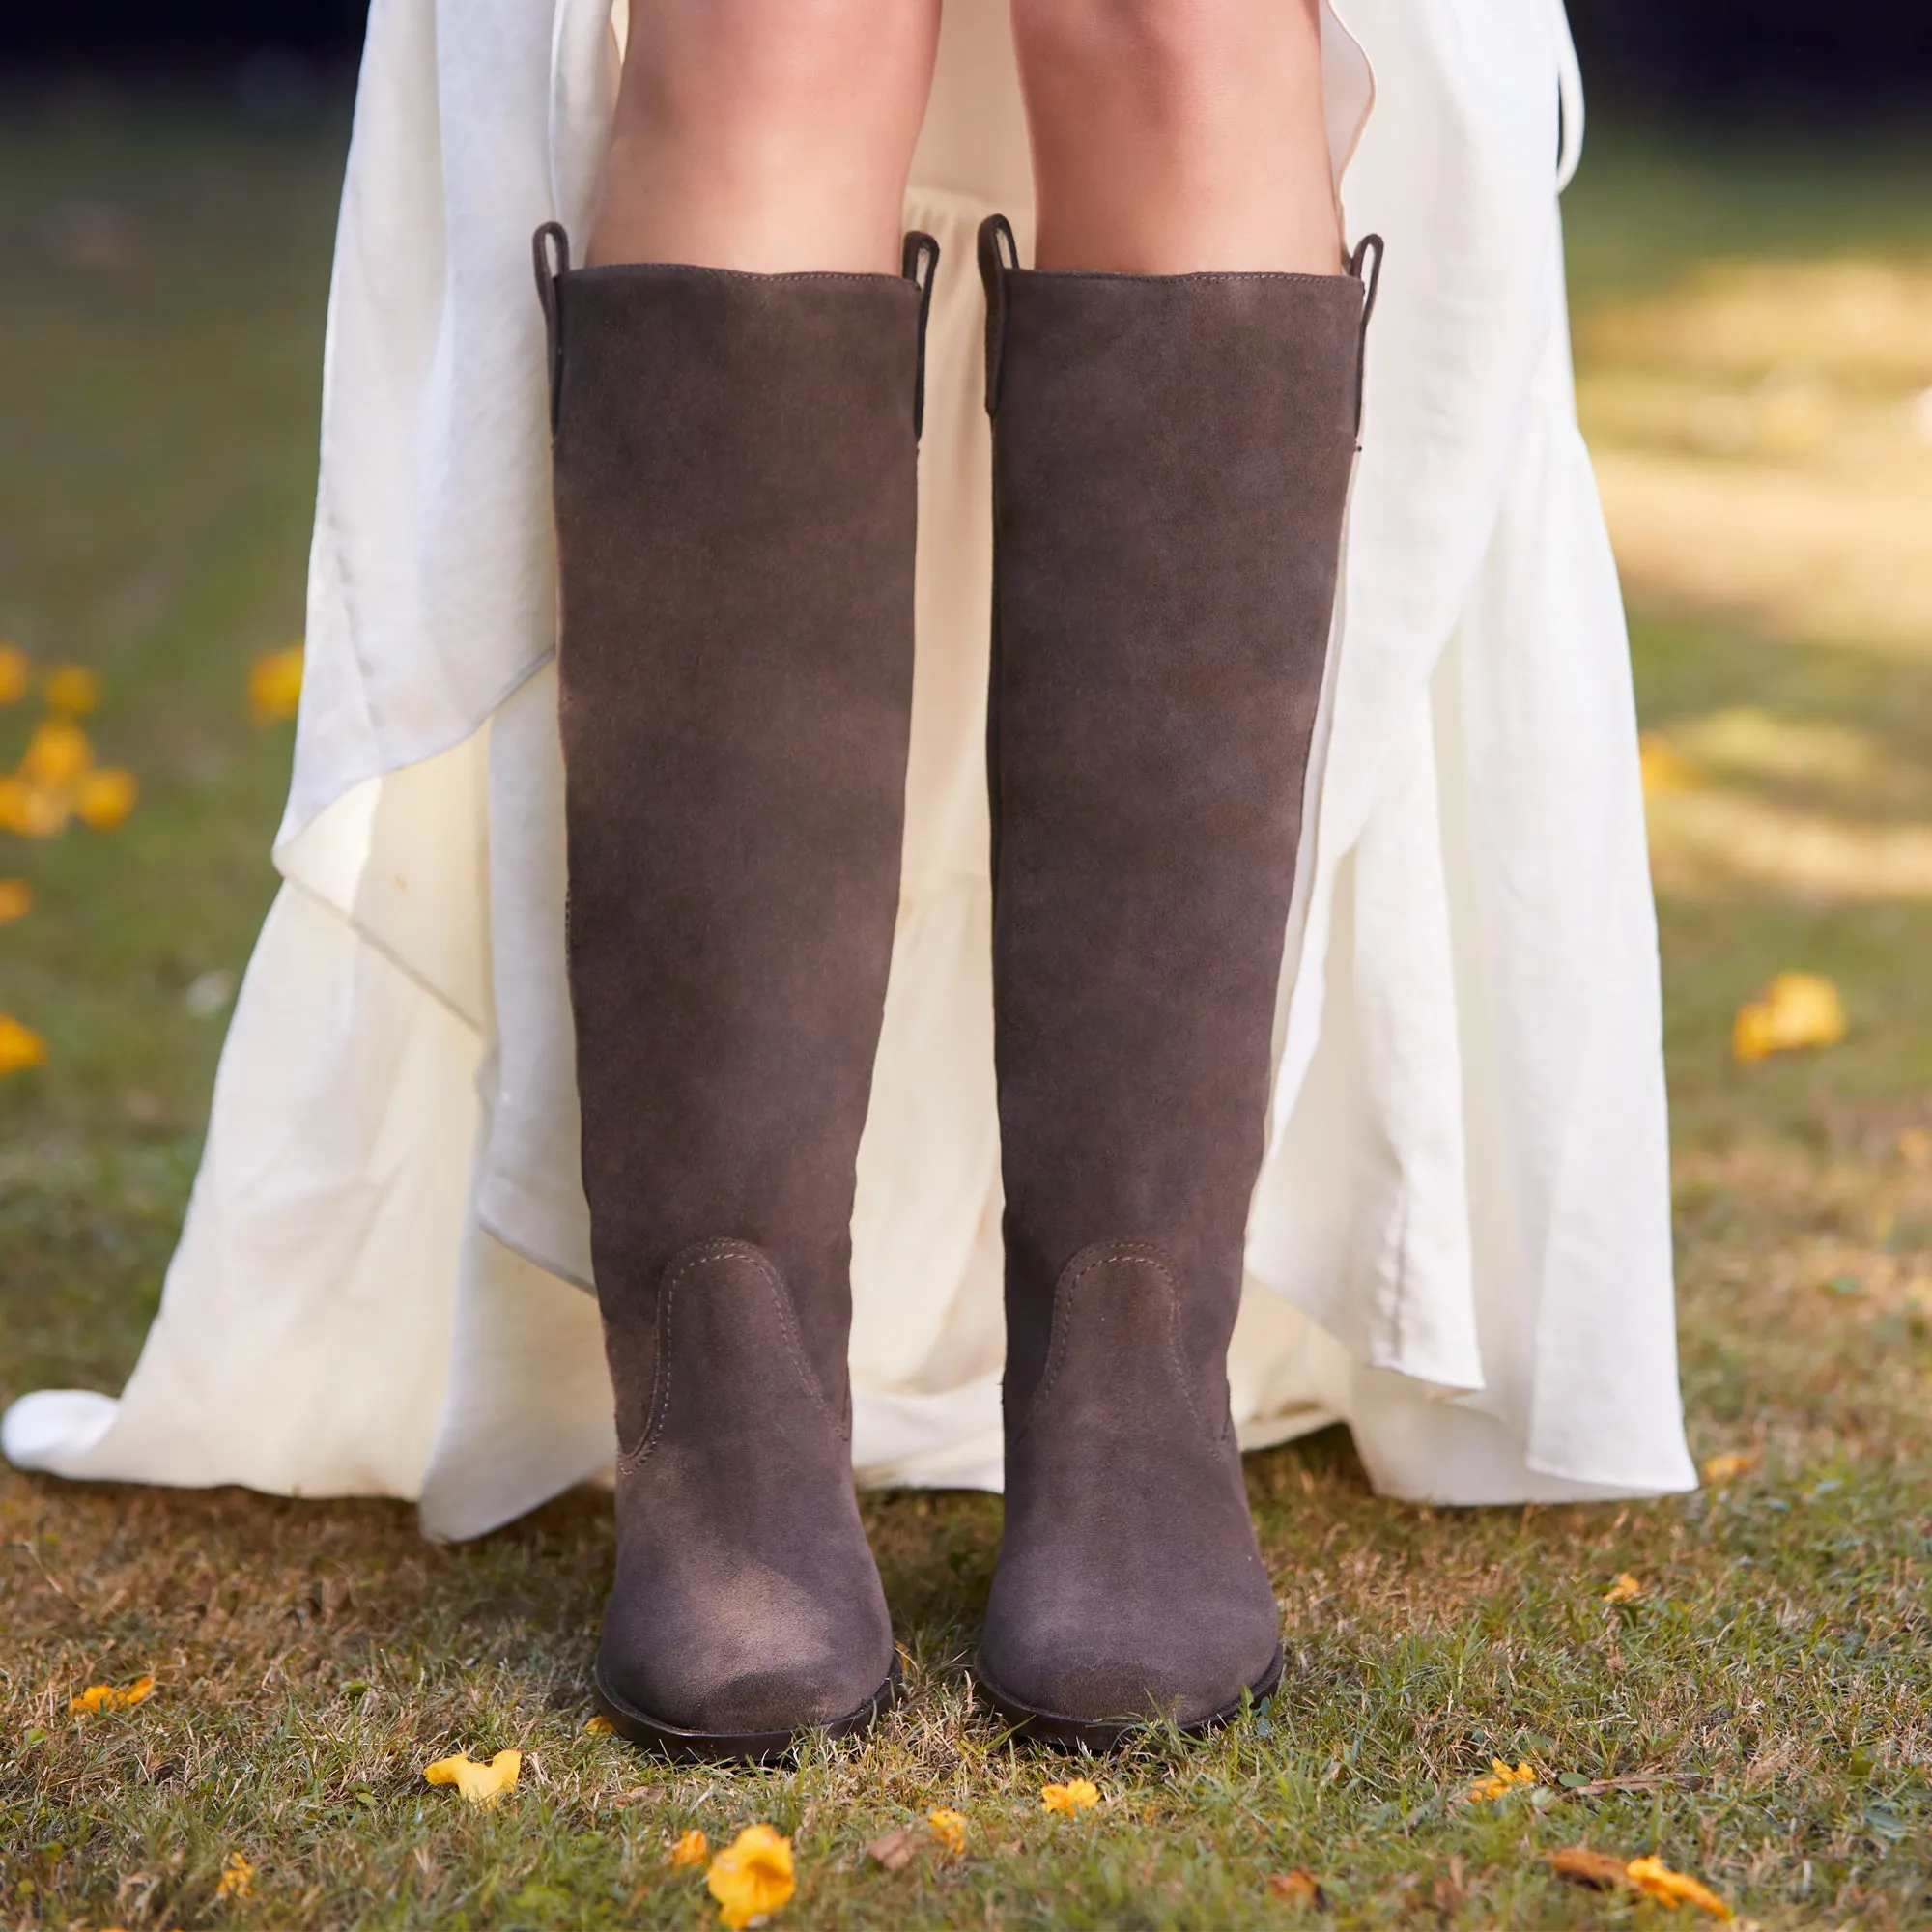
column 759, row 59
column 1173, row 49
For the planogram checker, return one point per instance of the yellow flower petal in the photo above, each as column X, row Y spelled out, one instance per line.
column 1623, row 1589
column 19, row 1046
column 479, row 1783
column 1728, row 1467
column 17, row 900
column 31, row 810
column 72, row 689
column 1070, row 1798
column 107, row 1696
column 1796, row 1011
column 105, row 798
column 949, row 1829
column 751, row 1876
column 1653, row 1876
column 16, row 673
column 237, row 1877
column 600, row 1726
column 56, row 755
column 275, row 685
column 1664, row 768
column 690, row 1849
column 1500, row 1780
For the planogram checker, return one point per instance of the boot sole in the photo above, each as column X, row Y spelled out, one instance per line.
column 638, row 1727
column 1054, row 1727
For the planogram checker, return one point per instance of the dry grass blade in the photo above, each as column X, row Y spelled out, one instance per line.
column 1647, row 1780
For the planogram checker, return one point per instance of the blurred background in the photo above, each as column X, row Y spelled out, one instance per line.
column 1750, row 251
column 1751, row 269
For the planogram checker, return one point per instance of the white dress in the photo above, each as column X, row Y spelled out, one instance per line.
column 1459, row 1243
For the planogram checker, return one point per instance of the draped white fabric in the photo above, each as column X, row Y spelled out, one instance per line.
column 1459, row 1243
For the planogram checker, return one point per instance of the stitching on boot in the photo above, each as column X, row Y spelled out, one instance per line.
column 1105, row 1254
column 722, row 1248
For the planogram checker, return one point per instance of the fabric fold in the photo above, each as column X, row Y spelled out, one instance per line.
column 1459, row 1243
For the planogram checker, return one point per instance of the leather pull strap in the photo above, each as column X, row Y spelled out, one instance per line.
column 919, row 262
column 550, row 251
column 1367, row 255
column 999, row 257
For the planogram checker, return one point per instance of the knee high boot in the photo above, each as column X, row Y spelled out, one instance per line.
column 734, row 463
column 1172, row 456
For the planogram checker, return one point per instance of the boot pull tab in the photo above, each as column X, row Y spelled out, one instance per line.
column 999, row 257
column 1368, row 253
column 549, row 250
column 919, row 263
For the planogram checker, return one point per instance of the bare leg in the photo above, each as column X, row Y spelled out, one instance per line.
column 1171, row 137
column 766, row 134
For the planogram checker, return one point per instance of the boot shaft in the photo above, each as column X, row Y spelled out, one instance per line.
column 1170, row 461
column 734, row 471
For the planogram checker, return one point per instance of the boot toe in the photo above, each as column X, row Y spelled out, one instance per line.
column 1165, row 1668
column 780, row 1697
column 749, row 1662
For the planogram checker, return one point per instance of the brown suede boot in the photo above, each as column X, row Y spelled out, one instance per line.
column 734, row 474
column 1171, row 455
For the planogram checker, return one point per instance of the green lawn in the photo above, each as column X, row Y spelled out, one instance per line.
column 1763, row 1701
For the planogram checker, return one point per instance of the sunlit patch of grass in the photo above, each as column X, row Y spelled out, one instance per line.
column 1763, row 431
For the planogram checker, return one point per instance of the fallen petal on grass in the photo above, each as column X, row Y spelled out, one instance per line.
column 104, row 1696
column 1652, row 1876
column 1582, row 1865
column 689, row 1848
column 1297, row 1886
column 893, row 1850
column 1664, row 767
column 70, row 689
column 1499, row 1781
column 275, row 686
column 237, row 1877
column 600, row 1726
column 104, row 799
column 1069, row 1800
column 949, row 1826
column 31, row 810
column 1728, row 1467
column 57, row 754
column 16, row 673
column 20, row 1046
column 751, row 1876
column 17, row 900
column 1795, row 1012
column 1623, row 1589
column 479, row 1783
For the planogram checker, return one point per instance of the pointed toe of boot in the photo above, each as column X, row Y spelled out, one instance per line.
column 1130, row 1588
column 1128, row 1662
column 742, row 1686
column 747, row 1608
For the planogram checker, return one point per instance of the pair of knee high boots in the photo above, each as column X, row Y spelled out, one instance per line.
column 735, row 476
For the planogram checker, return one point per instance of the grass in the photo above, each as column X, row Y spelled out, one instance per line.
column 1760, row 1709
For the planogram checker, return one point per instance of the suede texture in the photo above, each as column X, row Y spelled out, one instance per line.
column 1172, row 457
column 735, row 494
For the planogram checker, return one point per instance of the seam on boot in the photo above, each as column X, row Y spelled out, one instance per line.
column 1105, row 1254
column 701, row 1255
